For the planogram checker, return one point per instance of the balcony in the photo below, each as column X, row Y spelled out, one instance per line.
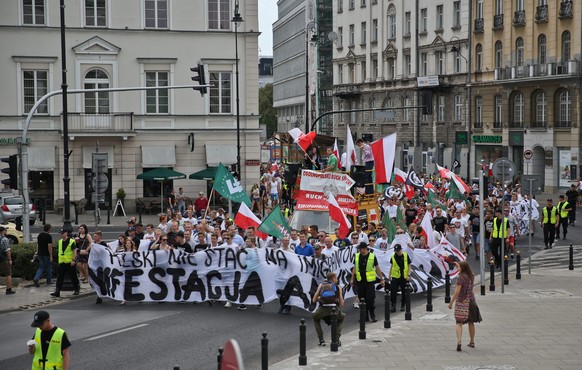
column 563, row 124
column 542, row 13
column 519, row 18
column 100, row 123
column 346, row 91
column 538, row 125
column 516, row 125
column 497, row 125
column 497, row 22
column 566, row 10
column 479, row 25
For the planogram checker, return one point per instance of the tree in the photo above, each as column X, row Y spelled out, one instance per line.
column 266, row 110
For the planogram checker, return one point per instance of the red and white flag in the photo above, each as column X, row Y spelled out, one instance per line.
column 350, row 150
column 427, row 230
column 399, row 175
column 246, row 218
column 336, row 150
column 384, row 151
column 338, row 216
column 448, row 174
column 303, row 140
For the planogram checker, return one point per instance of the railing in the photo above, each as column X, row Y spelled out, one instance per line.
column 346, row 90
column 112, row 122
column 516, row 125
column 538, row 124
column 478, row 124
column 497, row 124
column 566, row 10
column 563, row 124
column 519, row 18
column 498, row 21
column 542, row 13
column 479, row 25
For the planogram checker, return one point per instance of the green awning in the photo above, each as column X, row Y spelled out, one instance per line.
column 205, row 174
column 161, row 174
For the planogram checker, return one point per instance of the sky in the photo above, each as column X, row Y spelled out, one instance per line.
column 267, row 16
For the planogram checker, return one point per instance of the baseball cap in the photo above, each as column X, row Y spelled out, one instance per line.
column 397, row 247
column 362, row 245
column 201, row 193
column 131, row 229
column 63, row 231
column 39, row 318
column 550, row 200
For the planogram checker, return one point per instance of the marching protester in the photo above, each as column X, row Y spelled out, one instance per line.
column 83, row 242
column 45, row 255
column 49, row 345
column 329, row 295
column 364, row 279
column 466, row 309
column 67, row 256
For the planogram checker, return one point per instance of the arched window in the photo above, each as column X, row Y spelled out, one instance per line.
column 479, row 59
column 541, row 109
column 542, row 49
column 519, row 52
column 96, row 102
column 391, row 21
column 498, row 54
column 564, row 109
column 566, row 39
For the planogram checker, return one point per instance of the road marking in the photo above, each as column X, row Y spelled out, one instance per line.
column 116, row 332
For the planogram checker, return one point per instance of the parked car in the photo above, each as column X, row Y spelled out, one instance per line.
column 11, row 208
column 15, row 236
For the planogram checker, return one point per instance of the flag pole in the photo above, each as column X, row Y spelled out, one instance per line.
column 209, row 198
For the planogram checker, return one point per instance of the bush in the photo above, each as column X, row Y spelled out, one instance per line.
column 21, row 257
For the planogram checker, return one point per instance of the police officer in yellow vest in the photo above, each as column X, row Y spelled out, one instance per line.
column 564, row 209
column 550, row 222
column 399, row 275
column 50, row 345
column 67, row 253
column 364, row 275
column 499, row 232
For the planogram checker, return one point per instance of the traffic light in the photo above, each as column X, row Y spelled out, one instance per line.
column 12, row 171
column 201, row 78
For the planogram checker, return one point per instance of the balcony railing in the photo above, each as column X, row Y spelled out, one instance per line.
column 498, row 21
column 346, row 90
column 516, row 125
column 497, row 124
column 479, row 25
column 563, row 124
column 542, row 13
column 566, row 9
column 519, row 18
column 538, row 125
column 112, row 122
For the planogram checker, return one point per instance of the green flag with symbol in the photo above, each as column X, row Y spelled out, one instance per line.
column 390, row 226
column 229, row 187
column 275, row 224
column 454, row 192
column 400, row 220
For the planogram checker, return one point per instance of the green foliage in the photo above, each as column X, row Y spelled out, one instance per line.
column 120, row 193
column 21, row 256
column 266, row 110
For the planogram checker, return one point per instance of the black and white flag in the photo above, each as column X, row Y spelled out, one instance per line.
column 413, row 180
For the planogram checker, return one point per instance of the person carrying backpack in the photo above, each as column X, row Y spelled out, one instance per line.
column 329, row 295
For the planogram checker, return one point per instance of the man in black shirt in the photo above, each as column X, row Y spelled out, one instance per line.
column 45, row 256
column 572, row 195
column 410, row 213
column 399, row 275
column 439, row 221
column 139, row 231
column 181, row 243
column 474, row 221
column 46, row 336
column 134, row 238
column 364, row 275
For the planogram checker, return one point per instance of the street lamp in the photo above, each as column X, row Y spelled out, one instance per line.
column 237, row 20
column 310, row 29
column 66, row 179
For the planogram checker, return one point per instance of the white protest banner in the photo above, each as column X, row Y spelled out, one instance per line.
column 314, row 185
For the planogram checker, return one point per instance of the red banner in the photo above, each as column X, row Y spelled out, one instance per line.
column 316, row 201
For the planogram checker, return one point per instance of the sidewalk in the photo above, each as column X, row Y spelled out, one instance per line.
column 56, row 220
column 536, row 324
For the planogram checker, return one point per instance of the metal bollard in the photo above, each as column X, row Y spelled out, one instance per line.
column 492, row 274
column 407, row 291
column 108, row 215
column 506, row 270
column 429, row 294
column 387, row 323
column 518, row 266
column 302, row 344
column 333, row 346
column 362, row 334
column 571, row 265
column 447, row 287
column 176, row 367
column 140, row 214
column 264, row 352
column 219, row 356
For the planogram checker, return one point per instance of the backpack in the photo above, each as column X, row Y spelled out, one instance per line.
column 328, row 293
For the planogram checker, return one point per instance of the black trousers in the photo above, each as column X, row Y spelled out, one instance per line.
column 572, row 214
column 498, row 254
column 368, row 293
column 564, row 225
column 395, row 285
column 549, row 234
column 64, row 269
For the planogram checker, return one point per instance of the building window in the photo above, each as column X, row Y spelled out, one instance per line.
column 519, row 6
column 479, row 11
column 458, row 108
column 157, row 101
column 478, row 112
column 519, row 52
column 374, row 69
column 219, row 15
column 542, row 49
column 566, row 46
column 341, row 107
column 479, row 58
column 458, row 62
column 565, row 110
column 518, row 109
column 541, row 109
column 498, row 54
column 340, row 74
column 392, row 26
column 95, row 13
column 156, row 13
column 352, row 72
column 221, row 92
column 407, row 21
column 97, row 102
column 352, row 4
column 363, row 3
column 391, row 68
column 340, row 6
column 406, row 112
column 340, row 37
column 33, row 12
column 424, row 64
column 498, row 111
column 363, row 71
column 363, row 41
column 374, row 30
column 441, row 109
column 352, row 35
column 498, row 7
column 439, row 62
column 408, row 64
column 35, row 85
column 542, row 2
column 423, row 20
column 457, row 14
column 439, row 17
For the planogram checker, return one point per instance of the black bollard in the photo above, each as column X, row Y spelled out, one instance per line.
column 362, row 334
column 333, row 346
column 447, row 287
column 518, row 266
column 506, row 270
column 140, row 214
column 407, row 292
column 264, row 352
column 571, row 265
column 429, row 294
column 387, row 323
column 108, row 215
column 176, row 367
column 492, row 275
column 219, row 357
column 302, row 344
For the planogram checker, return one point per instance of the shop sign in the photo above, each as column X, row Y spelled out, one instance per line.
column 490, row 139
column 10, row 140
column 253, row 162
column 461, row 138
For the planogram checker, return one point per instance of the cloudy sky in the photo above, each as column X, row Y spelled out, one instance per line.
column 267, row 16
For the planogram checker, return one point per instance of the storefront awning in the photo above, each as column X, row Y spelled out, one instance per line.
column 205, row 174
column 158, row 156
column 41, row 158
column 220, row 153
column 88, row 155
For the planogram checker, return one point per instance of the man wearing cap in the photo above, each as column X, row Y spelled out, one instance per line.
column 399, row 275
column 550, row 222
column 67, row 255
column 364, row 276
column 564, row 208
column 500, row 231
column 49, row 345
column 132, row 234
column 200, row 203
column 182, row 244
column 6, row 260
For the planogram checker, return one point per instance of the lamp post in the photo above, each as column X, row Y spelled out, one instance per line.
column 311, row 28
column 237, row 20
column 66, row 179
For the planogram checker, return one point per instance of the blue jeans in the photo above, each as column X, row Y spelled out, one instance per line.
column 44, row 265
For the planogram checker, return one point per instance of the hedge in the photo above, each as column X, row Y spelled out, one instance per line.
column 21, row 257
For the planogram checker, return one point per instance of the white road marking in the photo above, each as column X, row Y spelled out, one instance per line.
column 116, row 332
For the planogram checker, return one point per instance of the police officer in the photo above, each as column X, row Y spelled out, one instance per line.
column 564, row 208
column 67, row 254
column 399, row 275
column 364, row 273
column 50, row 345
column 500, row 231
column 550, row 222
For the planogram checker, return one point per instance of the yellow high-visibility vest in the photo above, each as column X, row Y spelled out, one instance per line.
column 54, row 357
column 370, row 271
column 553, row 214
column 66, row 256
column 496, row 233
column 396, row 269
column 561, row 206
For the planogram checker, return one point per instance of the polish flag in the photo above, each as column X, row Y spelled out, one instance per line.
column 350, row 150
column 429, row 185
column 384, row 151
column 338, row 216
column 336, row 150
column 409, row 191
column 445, row 173
column 399, row 175
column 303, row 140
column 427, row 230
column 246, row 218
column 490, row 172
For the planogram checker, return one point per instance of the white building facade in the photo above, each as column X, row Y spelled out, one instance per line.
column 128, row 43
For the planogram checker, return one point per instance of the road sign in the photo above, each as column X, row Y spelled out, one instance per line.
column 100, row 183
column 97, row 198
column 528, row 154
column 504, row 169
column 388, row 114
column 100, row 161
column 535, row 181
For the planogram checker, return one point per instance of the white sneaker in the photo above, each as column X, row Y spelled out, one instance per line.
column 227, row 305
column 356, row 305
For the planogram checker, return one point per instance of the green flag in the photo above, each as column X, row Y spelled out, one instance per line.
column 454, row 192
column 275, row 224
column 229, row 187
column 390, row 226
column 400, row 220
column 432, row 198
